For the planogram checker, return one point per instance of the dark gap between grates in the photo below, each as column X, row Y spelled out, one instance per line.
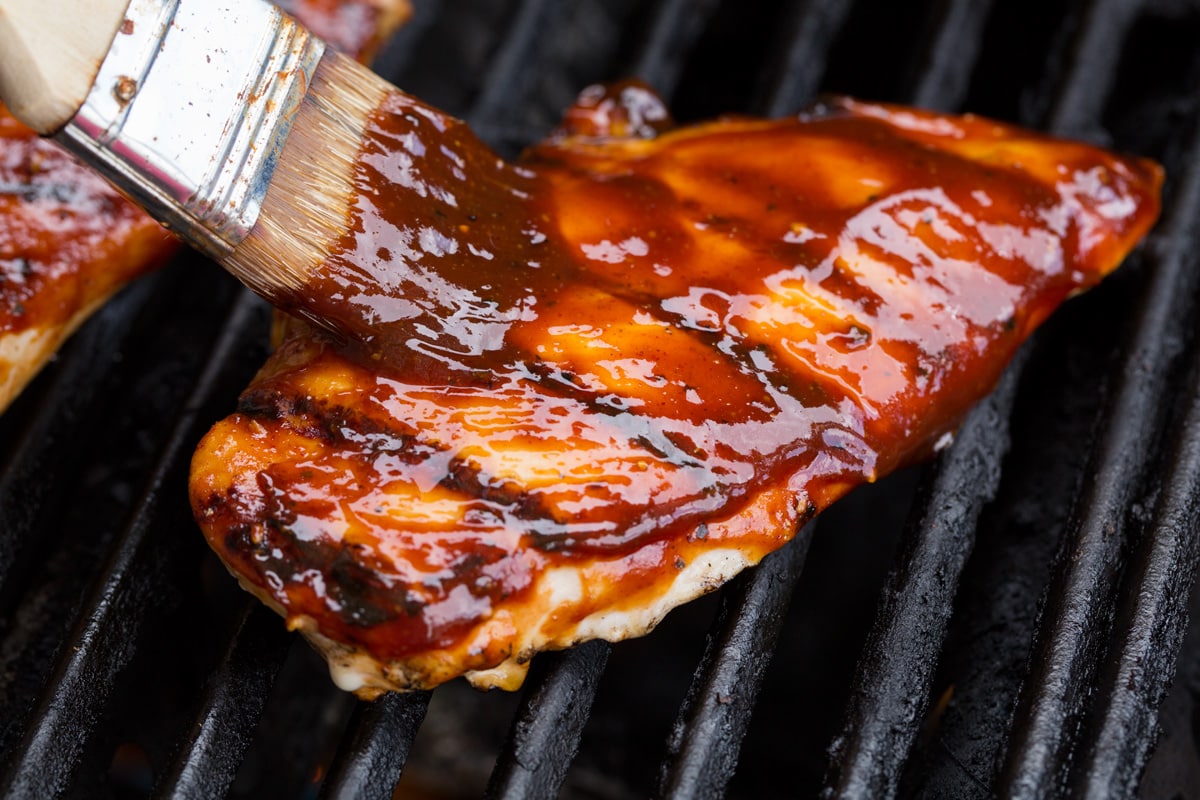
column 380, row 733
column 1072, row 103
column 1005, row 86
column 113, row 441
column 723, row 64
column 985, row 657
column 1080, row 607
column 546, row 731
column 891, row 693
column 706, row 739
column 1152, row 612
column 872, row 56
column 1159, row 338
column 450, row 62
column 78, row 392
column 1154, row 620
column 710, row 732
column 525, row 768
column 986, row 652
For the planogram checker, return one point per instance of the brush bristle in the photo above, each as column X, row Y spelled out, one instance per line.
column 306, row 210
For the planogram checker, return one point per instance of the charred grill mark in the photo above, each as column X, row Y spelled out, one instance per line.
column 331, row 424
column 354, row 588
column 265, row 405
column 363, row 599
column 468, row 479
column 729, row 350
column 239, row 537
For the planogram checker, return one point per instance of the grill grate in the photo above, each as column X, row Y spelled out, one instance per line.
column 1071, row 642
column 130, row 665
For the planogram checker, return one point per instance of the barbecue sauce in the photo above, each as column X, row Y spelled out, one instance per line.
column 637, row 335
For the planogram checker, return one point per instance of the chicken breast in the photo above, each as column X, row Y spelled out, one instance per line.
column 593, row 385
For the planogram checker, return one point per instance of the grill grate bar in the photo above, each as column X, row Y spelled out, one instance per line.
column 1069, row 641
column 675, row 28
column 108, row 633
column 236, row 696
column 895, row 673
column 373, row 753
column 711, row 723
column 548, row 726
column 562, row 686
column 984, row 673
column 809, row 33
column 702, row 752
column 955, row 42
column 1078, row 103
column 509, row 73
column 233, row 702
column 547, row 730
column 1165, row 561
column 1165, row 569
column 46, row 444
column 380, row 734
column 371, row 759
column 1145, row 663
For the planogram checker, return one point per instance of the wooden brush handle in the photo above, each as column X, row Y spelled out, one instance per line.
column 50, row 53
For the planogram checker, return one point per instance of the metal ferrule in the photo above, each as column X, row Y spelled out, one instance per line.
column 190, row 110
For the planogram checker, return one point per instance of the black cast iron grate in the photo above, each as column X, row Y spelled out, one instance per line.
column 1026, row 618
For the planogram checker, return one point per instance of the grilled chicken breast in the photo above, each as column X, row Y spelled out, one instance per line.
column 69, row 241
column 592, row 385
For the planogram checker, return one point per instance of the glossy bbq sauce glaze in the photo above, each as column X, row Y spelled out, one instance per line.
column 67, row 238
column 635, row 342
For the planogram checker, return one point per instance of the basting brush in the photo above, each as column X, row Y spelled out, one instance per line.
column 226, row 120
